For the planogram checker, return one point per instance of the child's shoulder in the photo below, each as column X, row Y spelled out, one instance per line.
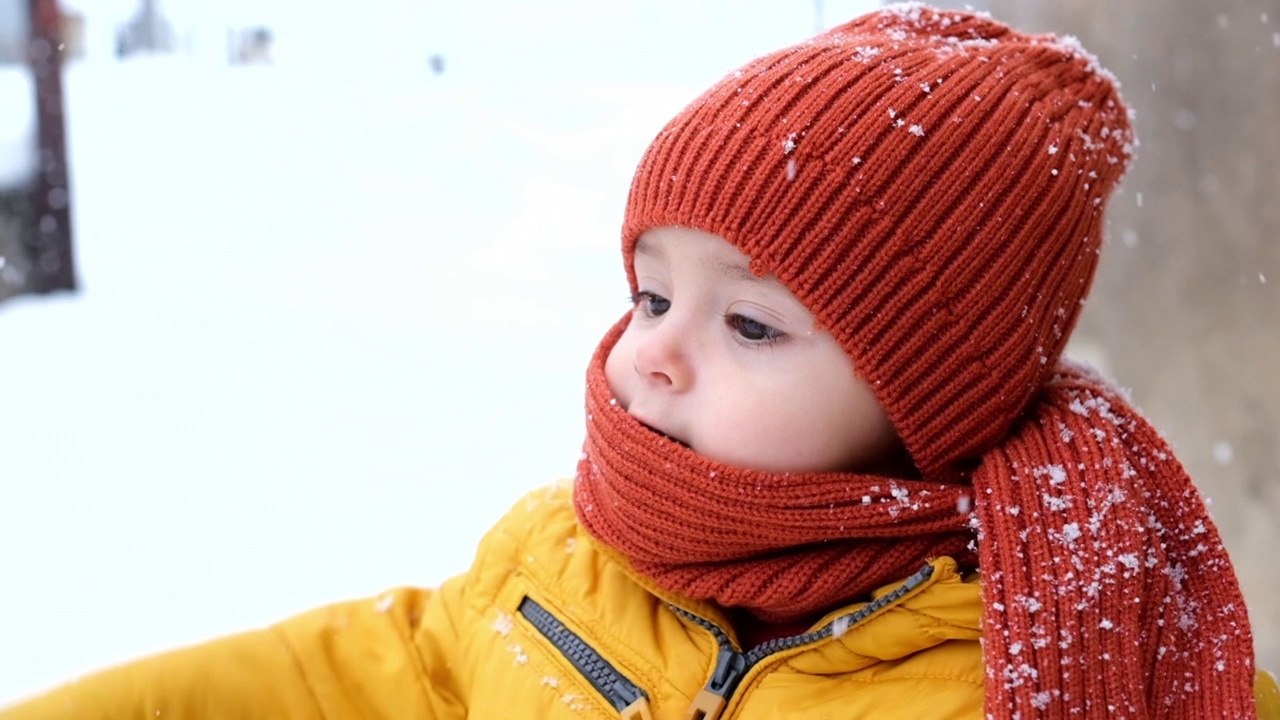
column 543, row 515
column 540, row 530
column 539, row 549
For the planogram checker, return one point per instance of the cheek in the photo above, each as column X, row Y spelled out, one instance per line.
column 857, row 431
column 822, row 419
column 766, row 426
column 618, row 370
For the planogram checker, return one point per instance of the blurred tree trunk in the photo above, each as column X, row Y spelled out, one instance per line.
column 1186, row 307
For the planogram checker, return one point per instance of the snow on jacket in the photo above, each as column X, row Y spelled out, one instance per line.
column 548, row 624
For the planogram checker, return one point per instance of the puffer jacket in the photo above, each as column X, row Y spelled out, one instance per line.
column 547, row 624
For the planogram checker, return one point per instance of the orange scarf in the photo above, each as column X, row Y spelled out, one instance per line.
column 1107, row 590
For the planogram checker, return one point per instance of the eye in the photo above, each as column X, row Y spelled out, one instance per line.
column 752, row 330
column 650, row 303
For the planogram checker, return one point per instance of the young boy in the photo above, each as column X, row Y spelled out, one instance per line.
column 835, row 465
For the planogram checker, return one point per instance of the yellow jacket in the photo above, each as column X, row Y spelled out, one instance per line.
column 547, row 624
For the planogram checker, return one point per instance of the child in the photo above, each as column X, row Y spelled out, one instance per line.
column 835, row 465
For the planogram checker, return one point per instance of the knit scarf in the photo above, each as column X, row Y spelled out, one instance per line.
column 1107, row 591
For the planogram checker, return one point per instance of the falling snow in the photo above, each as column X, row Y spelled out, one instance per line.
column 504, row 623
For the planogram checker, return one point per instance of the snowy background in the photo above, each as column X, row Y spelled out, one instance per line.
column 334, row 312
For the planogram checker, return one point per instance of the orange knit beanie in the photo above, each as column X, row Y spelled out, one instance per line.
column 929, row 184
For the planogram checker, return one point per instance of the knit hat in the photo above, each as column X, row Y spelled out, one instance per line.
column 929, row 184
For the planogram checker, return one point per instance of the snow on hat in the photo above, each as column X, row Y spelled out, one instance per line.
column 930, row 184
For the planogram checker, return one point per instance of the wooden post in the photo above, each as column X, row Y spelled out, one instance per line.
column 52, row 267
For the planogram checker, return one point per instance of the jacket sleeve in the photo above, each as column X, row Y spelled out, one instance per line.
column 1268, row 696
column 385, row 657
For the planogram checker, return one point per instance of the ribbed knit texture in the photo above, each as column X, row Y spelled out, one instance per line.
column 1105, row 583
column 931, row 186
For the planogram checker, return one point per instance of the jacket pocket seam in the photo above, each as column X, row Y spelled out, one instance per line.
column 650, row 677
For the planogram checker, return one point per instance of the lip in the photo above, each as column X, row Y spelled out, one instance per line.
column 672, row 438
column 659, row 431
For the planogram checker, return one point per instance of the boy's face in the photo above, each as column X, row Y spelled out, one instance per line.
column 733, row 366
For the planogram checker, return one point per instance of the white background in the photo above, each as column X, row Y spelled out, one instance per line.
column 335, row 311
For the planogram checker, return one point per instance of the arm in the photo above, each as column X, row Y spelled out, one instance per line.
column 1267, row 695
column 237, row 676
column 385, row 657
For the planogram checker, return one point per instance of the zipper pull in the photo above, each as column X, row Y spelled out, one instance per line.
column 711, row 700
column 638, row 710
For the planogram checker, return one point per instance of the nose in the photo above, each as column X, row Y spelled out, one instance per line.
column 661, row 358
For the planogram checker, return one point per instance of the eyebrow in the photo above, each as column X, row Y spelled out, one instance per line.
column 735, row 272
column 646, row 248
column 727, row 269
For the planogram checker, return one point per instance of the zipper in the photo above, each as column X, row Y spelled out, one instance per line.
column 625, row 696
column 732, row 665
